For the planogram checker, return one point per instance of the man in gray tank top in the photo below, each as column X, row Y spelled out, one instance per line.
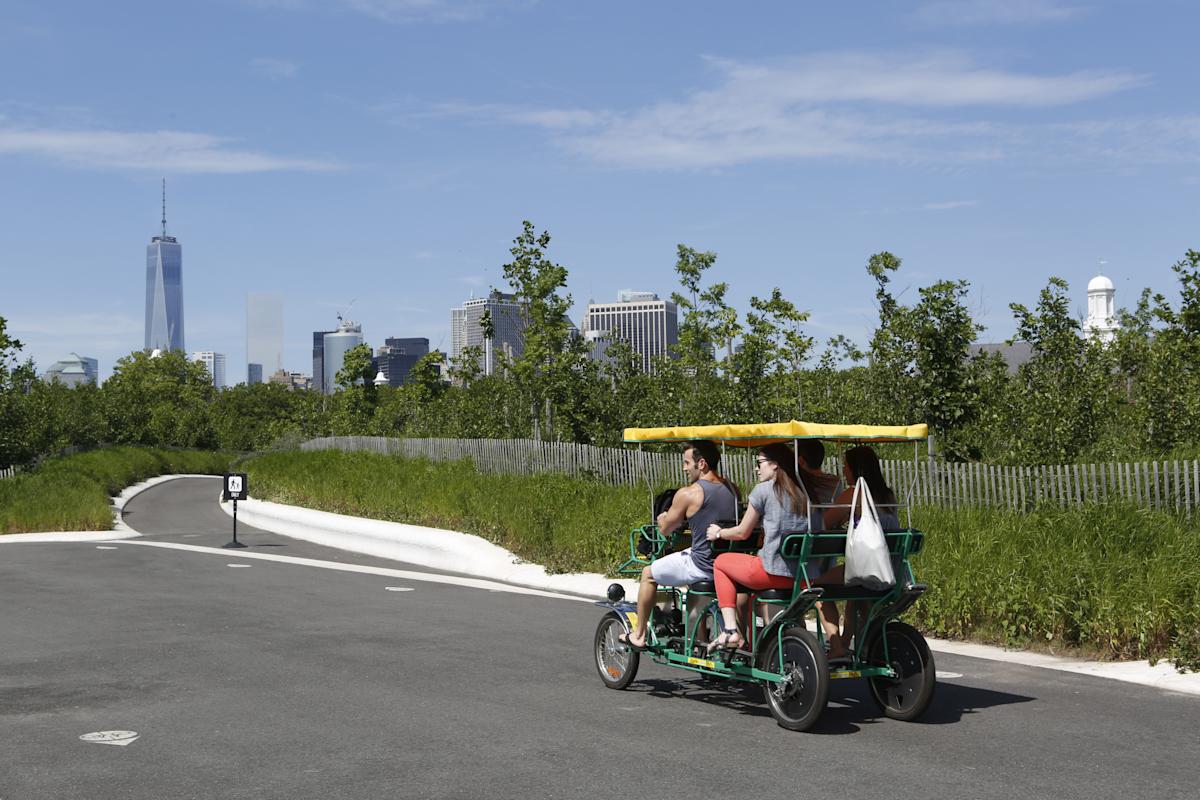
column 706, row 499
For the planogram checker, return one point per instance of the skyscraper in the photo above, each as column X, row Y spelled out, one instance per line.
column 347, row 335
column 318, row 373
column 164, row 289
column 215, row 363
column 508, row 324
column 264, row 333
column 397, row 357
column 649, row 325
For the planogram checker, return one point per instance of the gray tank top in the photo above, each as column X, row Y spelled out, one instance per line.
column 720, row 504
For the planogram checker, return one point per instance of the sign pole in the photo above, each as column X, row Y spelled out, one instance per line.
column 235, row 487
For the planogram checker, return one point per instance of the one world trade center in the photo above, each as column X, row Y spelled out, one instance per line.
column 164, row 289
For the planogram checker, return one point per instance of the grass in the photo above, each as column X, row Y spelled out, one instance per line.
column 1112, row 579
column 1109, row 580
column 73, row 493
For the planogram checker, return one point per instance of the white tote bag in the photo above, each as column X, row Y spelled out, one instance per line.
column 868, row 562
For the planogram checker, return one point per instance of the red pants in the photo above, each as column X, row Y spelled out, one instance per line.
column 742, row 568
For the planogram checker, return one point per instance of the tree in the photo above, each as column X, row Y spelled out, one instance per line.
column 15, row 379
column 1062, row 391
column 550, row 365
column 160, row 400
column 922, row 365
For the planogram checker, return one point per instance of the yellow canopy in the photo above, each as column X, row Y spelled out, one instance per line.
column 758, row 434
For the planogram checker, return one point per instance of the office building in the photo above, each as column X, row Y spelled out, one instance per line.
column 649, row 325
column 397, row 357
column 507, row 322
column 292, row 380
column 164, row 289
column 264, row 333
column 215, row 363
column 318, row 373
column 74, row 370
column 254, row 373
column 334, row 348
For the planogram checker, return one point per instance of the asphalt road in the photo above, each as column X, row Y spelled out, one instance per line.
column 276, row 680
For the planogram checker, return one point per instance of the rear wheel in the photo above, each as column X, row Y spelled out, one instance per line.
column 797, row 701
column 616, row 662
column 906, row 696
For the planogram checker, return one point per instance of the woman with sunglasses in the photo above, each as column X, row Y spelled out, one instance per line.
column 780, row 501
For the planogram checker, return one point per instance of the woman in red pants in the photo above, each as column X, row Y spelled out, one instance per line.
column 780, row 501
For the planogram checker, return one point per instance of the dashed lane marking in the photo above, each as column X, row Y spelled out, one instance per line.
column 105, row 547
column 119, row 738
column 398, row 588
column 239, row 566
column 402, row 574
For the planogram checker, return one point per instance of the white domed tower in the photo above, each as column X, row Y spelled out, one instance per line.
column 1101, row 317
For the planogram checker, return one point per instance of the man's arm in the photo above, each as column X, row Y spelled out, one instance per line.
column 674, row 516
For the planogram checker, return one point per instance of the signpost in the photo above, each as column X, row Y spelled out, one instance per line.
column 236, row 488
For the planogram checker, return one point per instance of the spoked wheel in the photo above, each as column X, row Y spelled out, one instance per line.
column 616, row 663
column 906, row 696
column 797, row 701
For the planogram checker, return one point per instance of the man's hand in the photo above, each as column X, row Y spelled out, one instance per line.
column 714, row 532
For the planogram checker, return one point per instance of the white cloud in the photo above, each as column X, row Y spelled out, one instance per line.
column 276, row 68
column 404, row 11
column 949, row 205
column 160, row 151
column 963, row 13
column 832, row 105
column 76, row 327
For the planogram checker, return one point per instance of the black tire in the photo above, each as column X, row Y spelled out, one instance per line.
column 616, row 663
column 797, row 702
column 907, row 696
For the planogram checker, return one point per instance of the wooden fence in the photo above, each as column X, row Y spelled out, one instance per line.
column 8, row 472
column 1162, row 485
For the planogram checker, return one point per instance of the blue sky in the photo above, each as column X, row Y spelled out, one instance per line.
column 386, row 151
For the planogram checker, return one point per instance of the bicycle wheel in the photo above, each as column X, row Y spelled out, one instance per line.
column 797, row 701
column 616, row 662
column 906, row 696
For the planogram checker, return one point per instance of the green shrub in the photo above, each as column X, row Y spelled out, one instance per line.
column 73, row 493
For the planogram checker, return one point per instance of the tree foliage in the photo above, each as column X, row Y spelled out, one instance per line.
column 1077, row 397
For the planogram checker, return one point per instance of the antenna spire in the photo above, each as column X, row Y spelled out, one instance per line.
column 164, row 198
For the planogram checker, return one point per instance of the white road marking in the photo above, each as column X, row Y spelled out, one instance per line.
column 943, row 675
column 402, row 574
column 398, row 588
column 119, row 738
column 104, row 547
column 238, row 566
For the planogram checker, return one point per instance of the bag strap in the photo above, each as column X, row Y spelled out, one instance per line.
column 869, row 502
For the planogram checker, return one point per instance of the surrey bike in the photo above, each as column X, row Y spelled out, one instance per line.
column 783, row 655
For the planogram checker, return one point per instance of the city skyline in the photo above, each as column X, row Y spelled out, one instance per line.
column 334, row 151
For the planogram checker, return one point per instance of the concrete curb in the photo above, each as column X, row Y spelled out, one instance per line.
column 432, row 548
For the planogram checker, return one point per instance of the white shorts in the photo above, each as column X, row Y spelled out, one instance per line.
column 677, row 569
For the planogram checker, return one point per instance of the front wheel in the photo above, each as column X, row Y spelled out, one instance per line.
column 906, row 696
column 616, row 662
column 797, row 701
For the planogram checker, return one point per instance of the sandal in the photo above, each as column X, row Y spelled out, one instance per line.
column 725, row 641
column 623, row 638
